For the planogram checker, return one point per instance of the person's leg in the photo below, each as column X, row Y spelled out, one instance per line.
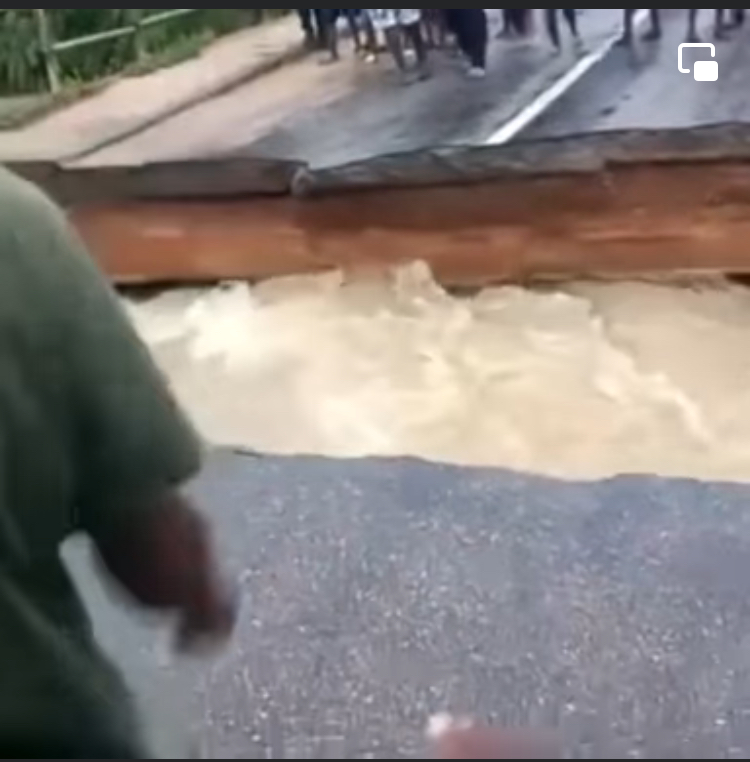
column 353, row 16
column 693, row 16
column 627, row 34
column 720, row 28
column 414, row 34
column 332, row 35
column 571, row 16
column 453, row 22
column 439, row 30
column 371, row 36
column 524, row 21
column 321, row 17
column 507, row 28
column 656, row 31
column 738, row 16
column 451, row 31
column 429, row 29
column 329, row 32
column 477, row 33
column 515, row 19
column 395, row 43
column 483, row 38
column 553, row 28
column 442, row 27
column 308, row 26
column 318, row 18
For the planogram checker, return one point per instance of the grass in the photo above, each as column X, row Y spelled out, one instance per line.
column 19, row 111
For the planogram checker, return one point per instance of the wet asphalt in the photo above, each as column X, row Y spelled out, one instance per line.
column 378, row 592
column 331, row 115
column 641, row 88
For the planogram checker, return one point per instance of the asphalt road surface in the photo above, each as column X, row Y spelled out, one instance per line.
column 333, row 115
column 378, row 592
column 329, row 115
column 642, row 87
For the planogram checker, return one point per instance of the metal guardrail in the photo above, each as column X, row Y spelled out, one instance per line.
column 51, row 49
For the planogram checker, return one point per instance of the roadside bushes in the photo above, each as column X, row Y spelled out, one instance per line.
column 22, row 68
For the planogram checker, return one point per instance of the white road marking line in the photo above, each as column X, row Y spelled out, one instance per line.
column 549, row 97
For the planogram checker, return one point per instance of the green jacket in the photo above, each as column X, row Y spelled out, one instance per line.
column 87, row 427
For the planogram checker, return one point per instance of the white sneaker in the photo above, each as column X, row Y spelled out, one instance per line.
column 477, row 73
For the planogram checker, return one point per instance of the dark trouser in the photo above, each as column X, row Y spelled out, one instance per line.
column 516, row 20
column 472, row 32
column 394, row 39
column 306, row 19
column 553, row 27
column 435, row 29
column 327, row 19
column 415, row 36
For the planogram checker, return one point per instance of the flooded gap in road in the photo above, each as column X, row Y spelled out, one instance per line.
column 584, row 381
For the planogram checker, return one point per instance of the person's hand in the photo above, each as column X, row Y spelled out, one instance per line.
column 461, row 739
column 162, row 555
column 208, row 622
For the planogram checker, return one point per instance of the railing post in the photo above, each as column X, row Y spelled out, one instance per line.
column 46, row 42
column 136, row 20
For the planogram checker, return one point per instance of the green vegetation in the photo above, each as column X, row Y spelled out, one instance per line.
column 22, row 66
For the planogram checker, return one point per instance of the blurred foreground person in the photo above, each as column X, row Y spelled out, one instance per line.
column 91, row 442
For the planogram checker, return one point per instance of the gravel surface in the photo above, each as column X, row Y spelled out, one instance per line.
column 379, row 592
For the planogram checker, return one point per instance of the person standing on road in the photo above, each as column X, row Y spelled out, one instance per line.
column 721, row 27
column 91, row 442
column 516, row 22
column 436, row 31
column 307, row 19
column 328, row 19
column 654, row 33
column 553, row 26
column 397, row 24
column 472, row 32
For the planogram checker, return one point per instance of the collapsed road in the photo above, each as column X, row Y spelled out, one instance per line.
column 378, row 591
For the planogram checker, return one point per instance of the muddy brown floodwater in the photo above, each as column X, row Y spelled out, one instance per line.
column 584, row 381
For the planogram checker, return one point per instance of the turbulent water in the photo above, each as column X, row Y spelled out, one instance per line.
column 590, row 380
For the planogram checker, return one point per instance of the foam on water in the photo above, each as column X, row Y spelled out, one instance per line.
column 589, row 380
